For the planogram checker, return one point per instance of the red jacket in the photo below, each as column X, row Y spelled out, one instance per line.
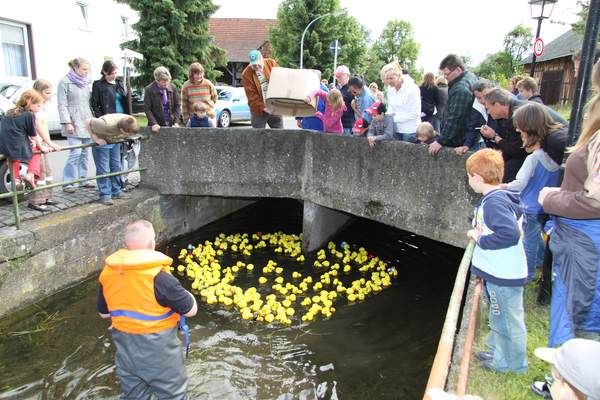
column 252, row 86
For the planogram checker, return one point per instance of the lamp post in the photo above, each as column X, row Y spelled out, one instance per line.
column 306, row 29
column 540, row 10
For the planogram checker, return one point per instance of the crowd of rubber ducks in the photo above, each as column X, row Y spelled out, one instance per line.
column 300, row 297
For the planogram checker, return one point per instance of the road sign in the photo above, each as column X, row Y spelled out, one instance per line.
column 335, row 46
column 538, row 47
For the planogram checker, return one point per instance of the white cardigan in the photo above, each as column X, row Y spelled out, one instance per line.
column 405, row 105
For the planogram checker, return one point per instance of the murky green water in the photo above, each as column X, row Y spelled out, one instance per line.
column 381, row 348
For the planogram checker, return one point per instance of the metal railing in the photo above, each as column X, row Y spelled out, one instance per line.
column 443, row 356
column 14, row 193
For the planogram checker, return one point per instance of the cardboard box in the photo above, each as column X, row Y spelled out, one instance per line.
column 287, row 90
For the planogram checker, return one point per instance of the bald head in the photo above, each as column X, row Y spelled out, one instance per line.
column 139, row 235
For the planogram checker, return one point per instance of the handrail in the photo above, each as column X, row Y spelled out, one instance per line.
column 443, row 356
column 463, row 375
column 15, row 193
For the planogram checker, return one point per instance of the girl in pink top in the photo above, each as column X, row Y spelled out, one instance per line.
column 334, row 108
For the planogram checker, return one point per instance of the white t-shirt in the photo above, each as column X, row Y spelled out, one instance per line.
column 405, row 105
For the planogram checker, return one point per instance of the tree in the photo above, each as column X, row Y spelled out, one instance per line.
column 292, row 18
column 497, row 67
column 397, row 42
column 517, row 42
column 173, row 33
column 579, row 25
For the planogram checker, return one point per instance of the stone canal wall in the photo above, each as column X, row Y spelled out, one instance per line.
column 59, row 250
column 395, row 183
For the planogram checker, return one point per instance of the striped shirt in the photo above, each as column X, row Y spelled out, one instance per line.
column 195, row 92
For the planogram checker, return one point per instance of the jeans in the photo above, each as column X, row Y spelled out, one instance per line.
column 129, row 159
column 261, row 121
column 477, row 146
column 507, row 339
column 77, row 162
column 108, row 159
column 533, row 243
column 347, row 132
column 406, row 137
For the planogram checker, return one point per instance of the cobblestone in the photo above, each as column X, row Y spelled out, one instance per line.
column 65, row 200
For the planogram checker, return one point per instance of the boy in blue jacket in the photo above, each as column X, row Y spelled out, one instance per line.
column 499, row 259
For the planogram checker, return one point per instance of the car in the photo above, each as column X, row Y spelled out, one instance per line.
column 137, row 101
column 231, row 106
column 5, row 105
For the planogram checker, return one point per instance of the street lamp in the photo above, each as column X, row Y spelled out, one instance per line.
column 540, row 10
column 338, row 12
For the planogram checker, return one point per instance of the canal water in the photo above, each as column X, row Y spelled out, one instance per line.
column 381, row 348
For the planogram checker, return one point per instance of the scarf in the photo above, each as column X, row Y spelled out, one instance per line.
column 77, row 79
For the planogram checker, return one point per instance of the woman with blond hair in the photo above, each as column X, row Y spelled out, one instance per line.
column 73, row 95
column 575, row 240
column 430, row 99
column 198, row 89
column 403, row 100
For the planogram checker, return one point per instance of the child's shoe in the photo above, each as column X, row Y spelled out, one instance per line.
column 29, row 180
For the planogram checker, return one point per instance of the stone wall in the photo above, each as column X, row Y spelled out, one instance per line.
column 396, row 183
column 59, row 250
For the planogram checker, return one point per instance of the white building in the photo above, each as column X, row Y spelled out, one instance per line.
column 39, row 37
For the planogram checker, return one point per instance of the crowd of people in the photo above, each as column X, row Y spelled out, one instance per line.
column 516, row 147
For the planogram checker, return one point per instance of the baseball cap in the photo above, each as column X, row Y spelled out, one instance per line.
column 577, row 362
column 360, row 126
column 254, row 56
column 373, row 109
column 342, row 69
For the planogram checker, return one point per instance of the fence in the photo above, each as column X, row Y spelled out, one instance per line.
column 14, row 193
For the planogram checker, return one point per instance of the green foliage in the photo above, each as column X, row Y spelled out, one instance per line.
column 517, row 43
column 579, row 25
column 397, row 42
column 292, row 18
column 173, row 33
column 497, row 67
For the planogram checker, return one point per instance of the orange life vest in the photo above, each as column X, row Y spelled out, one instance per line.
column 128, row 287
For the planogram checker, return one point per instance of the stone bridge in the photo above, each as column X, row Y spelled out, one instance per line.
column 395, row 183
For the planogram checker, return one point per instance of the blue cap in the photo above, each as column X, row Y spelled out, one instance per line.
column 254, row 56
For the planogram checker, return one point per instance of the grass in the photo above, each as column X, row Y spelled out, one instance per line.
column 491, row 385
column 564, row 110
column 142, row 120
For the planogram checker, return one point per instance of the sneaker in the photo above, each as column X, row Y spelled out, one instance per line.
column 541, row 389
column 107, row 202
column 484, row 356
column 487, row 365
column 88, row 185
column 36, row 207
column 121, row 195
column 69, row 189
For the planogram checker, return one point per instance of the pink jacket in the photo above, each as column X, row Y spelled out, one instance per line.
column 332, row 120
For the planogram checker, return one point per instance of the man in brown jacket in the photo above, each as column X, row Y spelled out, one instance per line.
column 255, row 79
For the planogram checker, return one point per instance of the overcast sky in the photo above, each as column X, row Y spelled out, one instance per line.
column 464, row 27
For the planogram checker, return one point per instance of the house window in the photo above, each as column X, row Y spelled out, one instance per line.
column 13, row 38
column 83, row 9
column 124, row 27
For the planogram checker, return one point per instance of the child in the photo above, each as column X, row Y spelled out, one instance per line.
column 112, row 128
column 41, row 199
column 199, row 117
column 426, row 134
column 334, row 108
column 360, row 127
column 499, row 260
column 382, row 125
column 538, row 171
column 17, row 131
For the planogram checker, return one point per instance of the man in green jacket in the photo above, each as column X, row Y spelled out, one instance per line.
column 460, row 101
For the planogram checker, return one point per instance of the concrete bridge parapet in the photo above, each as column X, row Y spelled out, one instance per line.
column 395, row 183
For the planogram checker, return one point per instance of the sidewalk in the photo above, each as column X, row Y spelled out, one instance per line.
column 65, row 200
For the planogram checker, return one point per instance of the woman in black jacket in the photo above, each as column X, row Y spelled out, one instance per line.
column 429, row 101
column 109, row 97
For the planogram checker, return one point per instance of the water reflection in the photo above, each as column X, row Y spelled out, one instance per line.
column 381, row 348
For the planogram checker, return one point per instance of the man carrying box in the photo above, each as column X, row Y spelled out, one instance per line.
column 255, row 79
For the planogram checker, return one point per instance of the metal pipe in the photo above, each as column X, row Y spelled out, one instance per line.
column 585, row 71
column 463, row 374
column 14, row 194
column 441, row 363
column 334, row 13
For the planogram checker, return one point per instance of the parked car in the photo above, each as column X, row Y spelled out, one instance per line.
column 231, row 106
column 137, row 101
column 52, row 118
column 5, row 105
